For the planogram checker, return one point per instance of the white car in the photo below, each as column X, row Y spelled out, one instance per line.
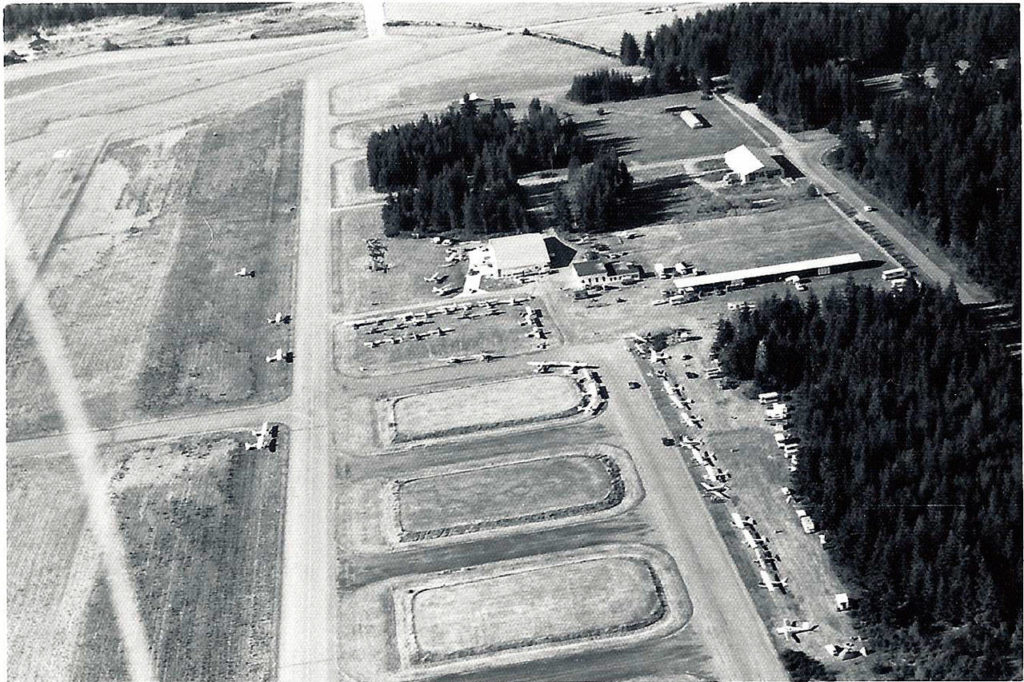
column 869, row 209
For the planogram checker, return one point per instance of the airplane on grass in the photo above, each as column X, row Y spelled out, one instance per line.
column 487, row 357
column 713, row 488
column 280, row 356
column 436, row 278
column 658, row 357
column 771, row 584
column 279, row 319
column 265, row 436
column 717, row 495
column 740, row 522
column 792, row 628
column 455, row 359
column 245, row 272
column 445, row 291
column 572, row 367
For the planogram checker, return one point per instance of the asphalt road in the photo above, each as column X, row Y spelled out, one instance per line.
column 308, row 595
column 723, row 612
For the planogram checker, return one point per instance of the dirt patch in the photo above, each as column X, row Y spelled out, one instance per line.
column 481, row 406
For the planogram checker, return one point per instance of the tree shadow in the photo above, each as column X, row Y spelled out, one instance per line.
column 650, row 201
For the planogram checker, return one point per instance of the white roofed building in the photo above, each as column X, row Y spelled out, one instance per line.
column 691, row 119
column 519, row 255
column 752, row 164
column 770, row 273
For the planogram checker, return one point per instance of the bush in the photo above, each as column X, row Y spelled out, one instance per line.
column 109, row 46
column 803, row 668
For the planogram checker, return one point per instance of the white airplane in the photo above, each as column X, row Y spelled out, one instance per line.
column 441, row 331
column 573, row 367
column 263, row 442
column 245, row 272
column 712, row 488
column 454, row 360
column 658, row 357
column 792, row 628
column 373, row 344
column 770, row 584
column 751, row 540
column 487, row 357
column 445, row 291
column 279, row 319
column 516, row 301
column 264, row 430
column 276, row 357
column 436, row 278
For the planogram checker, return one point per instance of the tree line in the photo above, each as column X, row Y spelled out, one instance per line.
column 458, row 171
column 910, row 421
column 949, row 158
column 25, row 18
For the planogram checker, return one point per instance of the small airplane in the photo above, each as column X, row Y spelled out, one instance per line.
column 265, row 430
column 276, row 357
column 751, row 539
column 245, row 272
column 436, row 278
column 280, row 318
column 263, row 441
column 770, row 584
column 792, row 628
column 740, row 522
column 487, row 357
column 454, row 360
column 445, row 291
column 573, row 367
column 712, row 488
column 441, row 331
column 658, row 357
column 374, row 343
column 717, row 495
column 516, row 301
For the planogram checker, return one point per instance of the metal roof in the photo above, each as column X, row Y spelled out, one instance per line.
column 691, row 119
column 744, row 160
column 767, row 271
column 519, row 251
column 590, row 267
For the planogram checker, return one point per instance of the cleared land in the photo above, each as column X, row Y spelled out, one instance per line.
column 156, row 30
column 506, row 495
column 481, row 406
column 201, row 520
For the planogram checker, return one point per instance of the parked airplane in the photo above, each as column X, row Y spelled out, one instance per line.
column 445, row 291
column 454, row 360
column 658, row 357
column 441, row 331
column 245, row 272
column 487, row 357
column 374, row 343
column 573, row 367
column 517, row 301
column 276, row 357
column 770, row 584
column 792, row 628
column 711, row 488
column 265, row 430
column 717, row 495
column 263, row 441
column 740, row 522
column 279, row 319
column 436, row 278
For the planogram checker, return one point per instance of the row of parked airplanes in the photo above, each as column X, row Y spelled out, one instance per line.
column 280, row 318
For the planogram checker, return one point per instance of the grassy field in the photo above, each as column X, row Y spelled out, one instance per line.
column 553, row 603
column 646, row 134
column 202, row 521
column 808, row 230
column 209, row 339
column 607, row 31
column 480, row 406
column 530, row 489
column 502, row 14
column 499, row 334
column 358, row 289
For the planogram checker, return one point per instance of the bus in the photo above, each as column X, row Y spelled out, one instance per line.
column 895, row 273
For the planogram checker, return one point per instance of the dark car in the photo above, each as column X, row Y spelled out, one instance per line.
column 634, row 384
column 665, row 440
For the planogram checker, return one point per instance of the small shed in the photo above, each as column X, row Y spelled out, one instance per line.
column 842, row 602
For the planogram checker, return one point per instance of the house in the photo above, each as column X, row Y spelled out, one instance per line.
column 598, row 272
column 520, row 254
column 692, row 119
column 749, row 164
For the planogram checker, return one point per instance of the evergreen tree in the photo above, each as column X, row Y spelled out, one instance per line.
column 629, row 51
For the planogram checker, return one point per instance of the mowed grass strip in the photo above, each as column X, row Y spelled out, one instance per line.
column 520, row 491
column 210, row 337
column 557, row 603
column 490, row 405
column 202, row 522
